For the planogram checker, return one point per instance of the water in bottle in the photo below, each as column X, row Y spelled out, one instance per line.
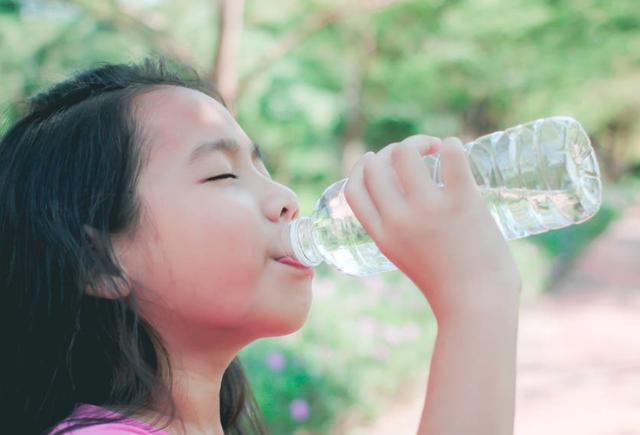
column 535, row 177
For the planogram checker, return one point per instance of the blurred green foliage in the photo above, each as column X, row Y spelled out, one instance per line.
column 374, row 75
column 363, row 337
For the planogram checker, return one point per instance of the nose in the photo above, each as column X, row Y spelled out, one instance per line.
column 282, row 204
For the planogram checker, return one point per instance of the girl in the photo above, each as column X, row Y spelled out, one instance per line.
column 139, row 243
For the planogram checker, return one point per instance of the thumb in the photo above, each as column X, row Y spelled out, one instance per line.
column 455, row 167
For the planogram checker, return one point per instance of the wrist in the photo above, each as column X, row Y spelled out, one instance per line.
column 502, row 309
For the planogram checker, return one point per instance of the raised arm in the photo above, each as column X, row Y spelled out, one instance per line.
column 471, row 387
column 446, row 241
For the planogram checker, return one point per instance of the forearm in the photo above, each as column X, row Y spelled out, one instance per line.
column 471, row 388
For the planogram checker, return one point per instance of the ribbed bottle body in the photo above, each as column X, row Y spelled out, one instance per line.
column 535, row 177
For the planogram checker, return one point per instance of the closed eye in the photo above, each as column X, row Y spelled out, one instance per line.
column 222, row 176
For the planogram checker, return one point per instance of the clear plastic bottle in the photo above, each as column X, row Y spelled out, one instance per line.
column 535, row 177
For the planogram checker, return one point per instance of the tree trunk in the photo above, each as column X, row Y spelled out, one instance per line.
column 225, row 68
column 353, row 145
column 308, row 27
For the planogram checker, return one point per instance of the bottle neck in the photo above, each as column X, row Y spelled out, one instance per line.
column 303, row 242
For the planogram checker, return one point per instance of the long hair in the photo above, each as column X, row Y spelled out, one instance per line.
column 71, row 162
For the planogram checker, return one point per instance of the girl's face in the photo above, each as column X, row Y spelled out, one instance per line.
column 204, row 255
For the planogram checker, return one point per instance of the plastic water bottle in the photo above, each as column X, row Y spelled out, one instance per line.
column 535, row 177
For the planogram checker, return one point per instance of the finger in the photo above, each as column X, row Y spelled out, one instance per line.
column 425, row 145
column 456, row 171
column 413, row 173
column 383, row 187
column 357, row 197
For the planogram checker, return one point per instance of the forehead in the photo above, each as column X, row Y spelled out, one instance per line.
column 174, row 119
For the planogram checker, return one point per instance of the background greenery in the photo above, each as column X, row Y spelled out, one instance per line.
column 317, row 83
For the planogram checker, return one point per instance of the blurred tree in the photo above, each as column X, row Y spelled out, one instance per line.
column 146, row 24
column 9, row 6
column 358, row 74
column 364, row 47
column 224, row 72
column 319, row 82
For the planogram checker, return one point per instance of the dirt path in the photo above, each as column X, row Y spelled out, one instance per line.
column 578, row 348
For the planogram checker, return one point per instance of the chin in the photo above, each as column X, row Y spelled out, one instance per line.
column 291, row 327
column 287, row 324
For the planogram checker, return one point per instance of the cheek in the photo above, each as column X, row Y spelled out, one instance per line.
column 231, row 250
column 214, row 259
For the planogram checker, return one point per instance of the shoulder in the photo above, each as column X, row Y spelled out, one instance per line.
column 113, row 429
column 129, row 425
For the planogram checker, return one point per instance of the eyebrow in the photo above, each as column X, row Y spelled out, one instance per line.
column 227, row 146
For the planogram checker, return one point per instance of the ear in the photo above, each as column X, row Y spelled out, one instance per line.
column 104, row 289
column 104, row 284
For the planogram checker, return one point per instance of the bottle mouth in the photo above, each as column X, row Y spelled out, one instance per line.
column 292, row 236
column 286, row 248
column 301, row 241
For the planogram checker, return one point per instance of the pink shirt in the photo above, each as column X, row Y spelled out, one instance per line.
column 128, row 426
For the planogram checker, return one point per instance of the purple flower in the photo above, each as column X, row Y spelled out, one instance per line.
column 381, row 352
column 299, row 409
column 275, row 361
column 392, row 334
column 368, row 327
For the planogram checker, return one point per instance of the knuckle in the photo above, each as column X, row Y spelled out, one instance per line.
column 398, row 150
column 387, row 150
column 365, row 157
column 351, row 190
column 348, row 190
column 403, row 153
column 392, row 145
column 420, row 140
column 367, row 165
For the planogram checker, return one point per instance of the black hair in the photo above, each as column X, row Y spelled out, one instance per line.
column 71, row 162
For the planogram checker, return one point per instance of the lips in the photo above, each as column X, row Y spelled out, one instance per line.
column 292, row 262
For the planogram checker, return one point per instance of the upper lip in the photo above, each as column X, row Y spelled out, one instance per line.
column 282, row 244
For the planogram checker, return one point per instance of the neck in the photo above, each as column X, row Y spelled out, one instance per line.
column 197, row 397
column 196, row 382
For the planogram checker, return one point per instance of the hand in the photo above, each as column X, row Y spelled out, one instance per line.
column 444, row 240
